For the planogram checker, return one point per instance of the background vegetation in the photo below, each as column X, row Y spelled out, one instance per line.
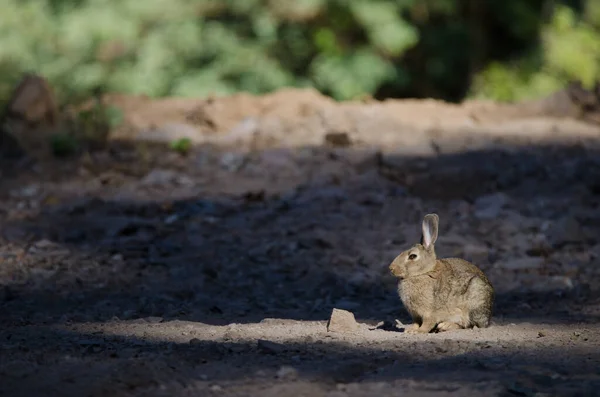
column 449, row 49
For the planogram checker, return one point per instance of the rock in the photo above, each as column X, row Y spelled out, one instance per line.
column 33, row 101
column 49, row 248
column 287, row 372
column 45, row 244
column 161, row 177
column 389, row 326
column 526, row 263
column 244, row 131
column 29, row 191
column 233, row 161
column 170, row 132
column 553, row 283
column 342, row 321
column 490, row 206
column 338, row 139
column 171, row 219
column 30, row 117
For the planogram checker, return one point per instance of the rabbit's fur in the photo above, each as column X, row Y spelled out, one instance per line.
column 441, row 294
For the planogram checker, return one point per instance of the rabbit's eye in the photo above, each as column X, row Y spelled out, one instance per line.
column 412, row 256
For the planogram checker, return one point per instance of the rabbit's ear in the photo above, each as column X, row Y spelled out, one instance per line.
column 430, row 230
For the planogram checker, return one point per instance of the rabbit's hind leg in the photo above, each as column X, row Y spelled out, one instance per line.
column 456, row 320
column 480, row 316
column 480, row 300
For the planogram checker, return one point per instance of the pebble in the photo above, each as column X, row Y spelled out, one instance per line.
column 260, row 373
column 243, row 131
column 161, row 177
column 232, row 161
column 341, row 139
column 287, row 372
column 553, row 283
column 170, row 132
column 26, row 192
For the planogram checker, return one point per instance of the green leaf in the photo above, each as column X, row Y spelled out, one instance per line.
column 351, row 76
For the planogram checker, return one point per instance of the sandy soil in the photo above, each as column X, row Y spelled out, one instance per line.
column 137, row 271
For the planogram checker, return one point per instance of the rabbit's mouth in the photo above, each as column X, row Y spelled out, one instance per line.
column 396, row 274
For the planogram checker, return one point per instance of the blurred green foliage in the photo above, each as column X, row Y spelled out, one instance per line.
column 499, row 49
column 87, row 130
column 181, row 146
column 63, row 145
column 569, row 51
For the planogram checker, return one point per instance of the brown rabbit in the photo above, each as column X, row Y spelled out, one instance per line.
column 441, row 294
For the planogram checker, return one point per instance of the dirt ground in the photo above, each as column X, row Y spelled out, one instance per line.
column 138, row 271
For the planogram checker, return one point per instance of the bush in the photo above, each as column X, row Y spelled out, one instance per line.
column 344, row 48
column 570, row 52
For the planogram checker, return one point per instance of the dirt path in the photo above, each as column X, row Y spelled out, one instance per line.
column 140, row 272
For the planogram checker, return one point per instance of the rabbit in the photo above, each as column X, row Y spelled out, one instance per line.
column 441, row 294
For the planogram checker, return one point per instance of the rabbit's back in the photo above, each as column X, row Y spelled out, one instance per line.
column 467, row 287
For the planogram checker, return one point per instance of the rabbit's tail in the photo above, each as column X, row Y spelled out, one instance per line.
column 481, row 295
column 481, row 317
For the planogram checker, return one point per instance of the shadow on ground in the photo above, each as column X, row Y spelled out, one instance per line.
column 297, row 253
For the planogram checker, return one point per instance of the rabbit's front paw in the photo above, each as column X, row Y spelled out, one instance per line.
column 411, row 329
